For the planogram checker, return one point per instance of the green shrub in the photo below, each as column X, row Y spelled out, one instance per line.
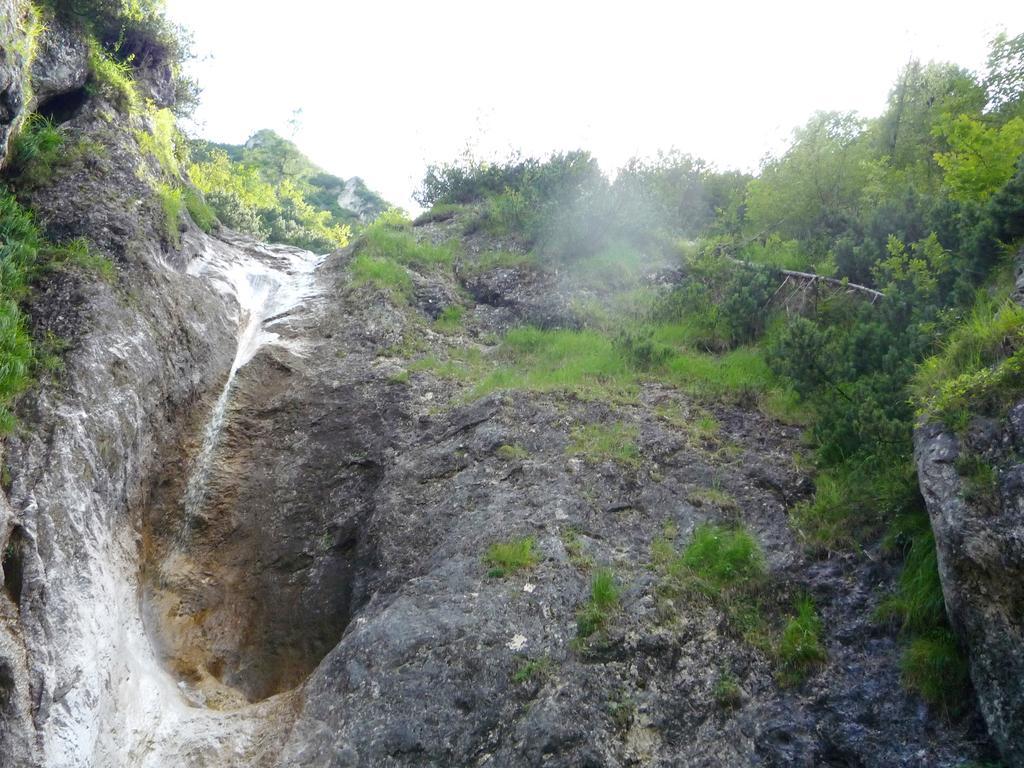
column 383, row 274
column 603, row 603
column 607, row 442
column 800, row 648
column 507, row 557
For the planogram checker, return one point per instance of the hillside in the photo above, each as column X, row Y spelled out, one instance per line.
column 267, row 188
column 684, row 467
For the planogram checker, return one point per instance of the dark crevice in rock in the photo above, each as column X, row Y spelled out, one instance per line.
column 13, row 564
column 63, row 107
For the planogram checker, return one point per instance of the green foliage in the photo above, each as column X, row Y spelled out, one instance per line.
column 719, row 558
column 533, row 669
column 918, row 604
column 812, row 191
column 981, row 158
column 602, row 605
column 727, row 692
column 935, row 668
column 35, row 150
column 513, row 452
column 508, row 557
column 723, row 565
column 77, row 252
column 390, row 237
column 450, row 319
column 200, row 211
column 977, row 368
column 723, row 304
column 854, row 499
column 382, row 273
column 112, row 79
column 800, row 649
column 135, row 33
column 171, row 204
column 162, row 141
column 270, row 190
column 607, row 442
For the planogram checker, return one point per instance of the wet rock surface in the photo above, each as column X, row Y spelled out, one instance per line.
column 325, row 600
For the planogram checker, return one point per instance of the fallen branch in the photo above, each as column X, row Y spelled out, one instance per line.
column 809, row 277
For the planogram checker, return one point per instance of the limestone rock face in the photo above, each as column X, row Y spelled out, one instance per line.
column 981, row 562
column 13, row 44
column 246, row 524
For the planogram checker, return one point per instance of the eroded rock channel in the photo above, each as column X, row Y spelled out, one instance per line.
column 251, row 542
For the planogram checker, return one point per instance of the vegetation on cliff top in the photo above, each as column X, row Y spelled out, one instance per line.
column 270, row 190
column 924, row 204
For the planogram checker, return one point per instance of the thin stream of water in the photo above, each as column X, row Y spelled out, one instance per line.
column 267, row 282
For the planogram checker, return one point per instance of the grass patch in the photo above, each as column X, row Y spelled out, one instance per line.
column 390, row 238
column 852, row 501
column 386, row 275
column 800, row 649
column 933, row 664
column 574, row 549
column 612, row 442
column 163, row 143
column 715, row 497
column 464, row 364
column 601, row 606
column 723, row 565
column 508, row 557
column 980, row 481
column 78, row 253
column 171, row 204
column 200, row 211
column 450, row 319
column 980, row 368
column 533, row 669
column 513, row 453
column 727, row 691
column 583, row 362
column 439, row 212
column 935, row 668
column 112, row 79
column 35, row 150
column 491, row 260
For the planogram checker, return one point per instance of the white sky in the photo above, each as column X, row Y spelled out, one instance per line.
column 387, row 87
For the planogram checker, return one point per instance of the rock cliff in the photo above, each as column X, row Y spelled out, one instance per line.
column 247, row 523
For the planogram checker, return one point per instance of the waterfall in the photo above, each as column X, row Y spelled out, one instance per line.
column 266, row 282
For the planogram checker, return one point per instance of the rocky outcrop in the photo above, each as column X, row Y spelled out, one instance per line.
column 246, row 525
column 14, row 41
column 979, row 534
